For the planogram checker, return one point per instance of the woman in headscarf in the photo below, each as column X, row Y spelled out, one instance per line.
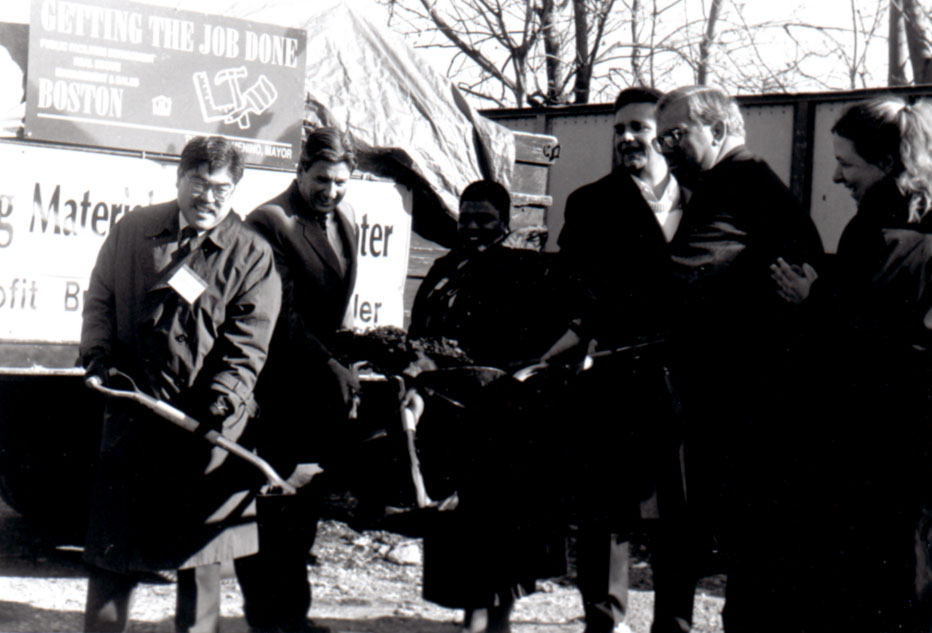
column 488, row 434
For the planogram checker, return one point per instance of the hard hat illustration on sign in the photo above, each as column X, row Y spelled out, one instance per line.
column 254, row 100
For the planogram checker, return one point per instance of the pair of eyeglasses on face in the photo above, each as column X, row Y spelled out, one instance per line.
column 220, row 191
column 670, row 139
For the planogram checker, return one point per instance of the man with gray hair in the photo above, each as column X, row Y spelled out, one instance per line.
column 737, row 352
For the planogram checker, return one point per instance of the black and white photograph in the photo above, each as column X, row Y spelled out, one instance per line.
column 465, row 316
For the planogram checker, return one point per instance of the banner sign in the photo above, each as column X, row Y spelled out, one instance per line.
column 58, row 205
column 383, row 230
column 119, row 74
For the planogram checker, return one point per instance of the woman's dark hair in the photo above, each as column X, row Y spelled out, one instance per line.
column 872, row 127
column 491, row 192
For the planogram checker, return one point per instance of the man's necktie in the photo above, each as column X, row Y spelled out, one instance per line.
column 186, row 240
column 328, row 222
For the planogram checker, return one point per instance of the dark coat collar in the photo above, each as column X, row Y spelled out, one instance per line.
column 737, row 153
column 162, row 221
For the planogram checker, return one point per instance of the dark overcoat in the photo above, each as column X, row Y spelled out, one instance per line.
column 498, row 448
column 164, row 498
column 732, row 326
column 627, row 438
column 612, row 244
column 739, row 362
column 500, row 305
column 874, row 339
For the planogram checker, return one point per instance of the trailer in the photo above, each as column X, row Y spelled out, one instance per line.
column 791, row 131
column 95, row 134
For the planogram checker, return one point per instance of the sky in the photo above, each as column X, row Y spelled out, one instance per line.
column 775, row 47
column 827, row 13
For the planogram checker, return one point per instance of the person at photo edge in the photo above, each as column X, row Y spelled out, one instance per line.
column 873, row 313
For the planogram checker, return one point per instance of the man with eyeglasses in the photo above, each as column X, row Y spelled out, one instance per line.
column 738, row 356
column 183, row 299
column 306, row 394
column 614, row 245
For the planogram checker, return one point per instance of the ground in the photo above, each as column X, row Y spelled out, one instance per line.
column 363, row 582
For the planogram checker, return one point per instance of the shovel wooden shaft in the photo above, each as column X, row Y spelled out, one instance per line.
column 409, row 422
column 182, row 419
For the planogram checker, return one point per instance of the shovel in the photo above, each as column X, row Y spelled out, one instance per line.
column 411, row 413
column 413, row 407
column 532, row 370
column 180, row 418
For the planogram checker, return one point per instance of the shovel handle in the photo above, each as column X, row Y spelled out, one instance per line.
column 185, row 421
column 420, row 489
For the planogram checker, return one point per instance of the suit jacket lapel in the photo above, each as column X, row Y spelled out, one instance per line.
column 350, row 245
column 317, row 238
column 315, row 235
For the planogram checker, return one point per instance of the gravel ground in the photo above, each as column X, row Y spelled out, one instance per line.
column 363, row 582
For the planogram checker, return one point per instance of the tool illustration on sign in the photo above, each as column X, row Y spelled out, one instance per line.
column 255, row 100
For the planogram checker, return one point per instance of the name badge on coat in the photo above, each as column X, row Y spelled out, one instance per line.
column 188, row 284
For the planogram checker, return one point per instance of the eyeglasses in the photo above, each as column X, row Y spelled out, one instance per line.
column 669, row 140
column 221, row 191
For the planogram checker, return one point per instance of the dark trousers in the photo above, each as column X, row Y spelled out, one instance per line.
column 634, row 453
column 110, row 596
column 274, row 582
column 602, row 575
column 602, row 568
column 675, row 572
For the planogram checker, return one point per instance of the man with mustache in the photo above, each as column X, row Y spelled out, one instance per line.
column 614, row 246
column 305, row 393
column 183, row 299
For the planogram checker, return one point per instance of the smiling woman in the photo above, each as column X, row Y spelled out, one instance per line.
column 853, row 170
column 874, row 335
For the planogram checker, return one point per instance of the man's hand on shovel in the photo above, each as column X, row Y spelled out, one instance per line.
column 183, row 420
column 303, row 474
column 569, row 350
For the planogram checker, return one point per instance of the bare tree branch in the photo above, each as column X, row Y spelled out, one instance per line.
column 464, row 46
column 548, row 52
column 707, row 39
column 896, row 47
column 918, row 38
